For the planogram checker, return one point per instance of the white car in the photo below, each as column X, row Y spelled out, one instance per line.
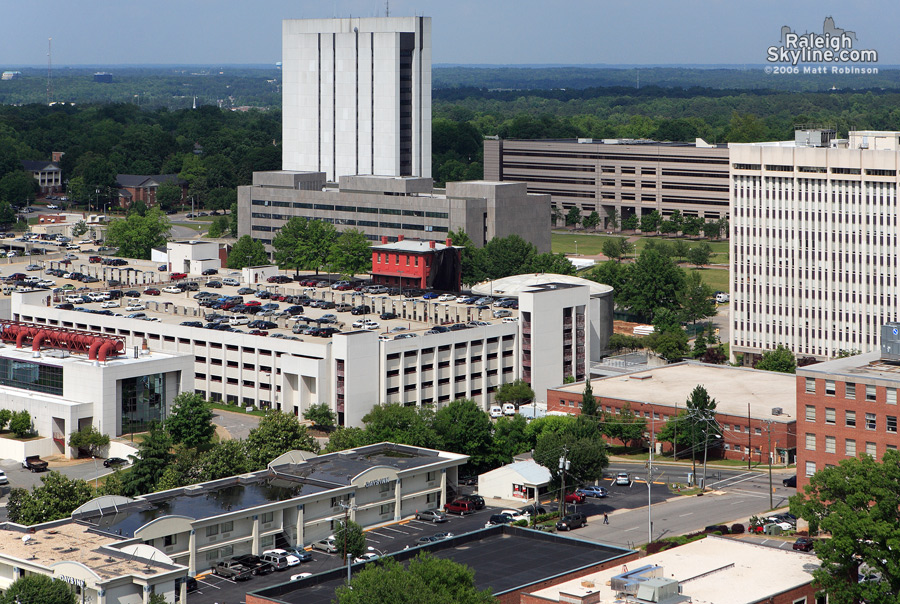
column 133, row 307
column 171, row 289
column 52, row 206
column 365, row 324
column 292, row 560
column 622, row 478
column 3, row 478
column 74, row 299
column 516, row 515
column 110, row 304
column 12, row 254
column 299, row 576
column 369, row 557
column 97, row 297
column 509, row 409
column 496, row 411
column 73, row 246
column 239, row 320
column 446, row 298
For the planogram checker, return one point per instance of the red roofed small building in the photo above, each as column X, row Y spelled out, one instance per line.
column 417, row 264
column 140, row 187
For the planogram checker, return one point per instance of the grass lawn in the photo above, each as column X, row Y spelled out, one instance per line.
column 590, row 244
column 236, row 409
column 716, row 278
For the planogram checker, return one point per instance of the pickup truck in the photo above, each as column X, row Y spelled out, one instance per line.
column 232, row 570
column 34, row 463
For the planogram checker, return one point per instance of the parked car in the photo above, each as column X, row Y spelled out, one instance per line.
column 622, row 478
column 328, row 545
column 232, row 570
column 432, row 516
column 292, row 560
column 571, row 521
column 478, row 500
column 367, row 557
column 300, row 553
column 575, row 497
column 500, row 519
column 791, row 481
column 172, row 289
column 804, row 544
column 516, row 515
column 34, row 463
column 257, row 565
column 152, row 291
column 593, row 491
column 278, row 561
column 509, row 409
column 496, row 411
column 3, row 478
column 191, row 324
column 210, row 271
column 387, row 316
column 177, row 276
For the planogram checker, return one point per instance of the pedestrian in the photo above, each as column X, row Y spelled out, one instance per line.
column 605, row 518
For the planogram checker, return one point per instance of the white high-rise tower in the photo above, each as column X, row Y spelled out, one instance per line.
column 357, row 96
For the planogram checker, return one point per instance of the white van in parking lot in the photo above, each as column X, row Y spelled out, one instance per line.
column 496, row 411
column 509, row 409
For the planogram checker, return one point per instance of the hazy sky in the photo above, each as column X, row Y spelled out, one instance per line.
column 109, row 32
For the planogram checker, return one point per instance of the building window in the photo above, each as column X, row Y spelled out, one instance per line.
column 31, row 376
column 387, row 508
column 810, row 468
column 810, row 385
column 829, row 387
column 212, row 530
column 267, row 517
column 830, row 443
column 430, row 476
column 871, row 451
column 810, row 413
column 829, row 416
column 850, row 390
column 227, row 551
column 892, row 424
column 850, row 419
column 810, row 441
column 170, row 540
column 850, row 447
column 143, row 402
column 890, row 396
column 212, row 555
column 870, row 421
column 227, row 527
column 757, row 431
column 870, row 393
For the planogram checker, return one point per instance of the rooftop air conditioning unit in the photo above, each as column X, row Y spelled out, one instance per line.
column 777, row 410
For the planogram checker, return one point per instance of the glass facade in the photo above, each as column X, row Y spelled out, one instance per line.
column 143, row 402
column 29, row 375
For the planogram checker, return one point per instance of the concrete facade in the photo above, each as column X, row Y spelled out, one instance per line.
column 392, row 206
column 746, row 399
column 845, row 408
column 813, row 249
column 357, row 96
column 192, row 257
column 524, row 480
column 621, row 175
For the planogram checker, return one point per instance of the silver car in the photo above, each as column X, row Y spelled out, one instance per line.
column 434, row 516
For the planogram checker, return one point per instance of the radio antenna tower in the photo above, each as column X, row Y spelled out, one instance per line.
column 49, row 69
column 387, row 8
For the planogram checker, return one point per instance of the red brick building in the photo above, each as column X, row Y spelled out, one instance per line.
column 417, row 264
column 140, row 187
column 846, row 408
column 751, row 405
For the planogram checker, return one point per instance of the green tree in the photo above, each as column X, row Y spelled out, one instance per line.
column 320, row 415
column 20, row 424
column 397, row 423
column 427, row 580
column 556, row 215
column 5, row 416
column 138, row 207
column 680, row 248
column 665, row 319
column 89, row 438
column 586, row 455
column 701, row 421
column 157, row 599
column 468, row 254
column 612, row 218
column 152, row 458
column 277, row 434
column 56, row 497
column 517, row 392
column 573, row 216
column 671, row 345
column 696, row 299
column 351, row 539
column 79, row 229
column 556, row 264
column 220, row 227
column 856, row 502
column 654, row 281
column 351, row 254
column 700, row 254
column 225, row 458
column 247, row 252
column 692, row 226
column 650, row 222
column 588, row 402
column 462, row 427
column 190, row 422
column 626, row 426
column 616, row 248
column 677, row 220
column 136, row 235
column 183, row 471
column 781, row 360
column 504, row 256
column 712, row 229
column 18, row 187
column 168, row 195
column 112, row 484
column 614, row 274
column 289, row 244
column 33, row 588
column 510, row 437
column 630, row 222
column 347, row 438
column 591, row 221
column 676, row 432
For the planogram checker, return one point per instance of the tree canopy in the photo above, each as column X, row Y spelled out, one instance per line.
column 247, row 252
column 152, row 459
column 276, row 434
column 463, row 427
column 350, row 254
column 34, row 588
column 781, row 360
column 136, row 235
column 355, row 538
column 190, row 421
column 517, row 392
column 89, row 438
column 55, row 498
column 858, row 503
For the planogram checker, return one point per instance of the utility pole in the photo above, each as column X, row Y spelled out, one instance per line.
column 563, row 466
column 650, row 480
column 769, row 428
column 749, row 443
column 347, row 507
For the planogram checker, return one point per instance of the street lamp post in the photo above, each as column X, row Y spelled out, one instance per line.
column 650, row 482
column 576, row 247
column 705, row 449
column 346, row 507
column 564, row 465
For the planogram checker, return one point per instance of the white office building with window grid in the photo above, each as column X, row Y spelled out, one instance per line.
column 814, row 243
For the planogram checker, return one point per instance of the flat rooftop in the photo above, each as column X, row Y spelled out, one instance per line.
column 732, row 387
column 57, row 356
column 74, row 542
column 711, row 570
column 868, row 365
column 503, row 558
column 620, row 142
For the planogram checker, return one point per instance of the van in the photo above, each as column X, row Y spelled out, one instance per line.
column 496, row 411
column 509, row 409
column 328, row 545
column 722, row 297
column 231, row 281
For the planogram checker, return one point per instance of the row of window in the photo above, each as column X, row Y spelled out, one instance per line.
column 870, row 419
column 814, row 169
column 350, row 209
column 871, row 392
column 850, row 448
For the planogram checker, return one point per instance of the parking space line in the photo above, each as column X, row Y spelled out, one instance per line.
column 379, row 534
column 208, row 583
column 385, row 528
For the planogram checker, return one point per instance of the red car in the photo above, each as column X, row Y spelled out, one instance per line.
column 177, row 276
column 804, row 544
column 575, row 498
column 252, row 303
column 151, row 291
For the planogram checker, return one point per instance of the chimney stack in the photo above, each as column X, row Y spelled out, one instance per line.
column 431, row 244
column 399, row 237
column 448, row 242
column 384, row 239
